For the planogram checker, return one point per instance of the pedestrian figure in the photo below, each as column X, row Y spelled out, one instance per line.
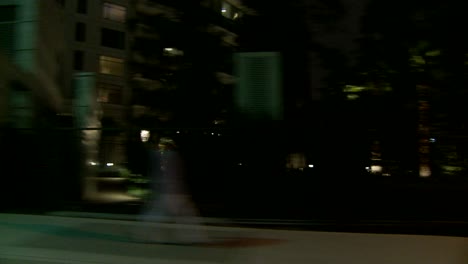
column 170, row 200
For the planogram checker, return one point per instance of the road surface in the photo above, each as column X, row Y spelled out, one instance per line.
column 52, row 239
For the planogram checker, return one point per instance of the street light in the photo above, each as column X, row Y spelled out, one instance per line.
column 145, row 135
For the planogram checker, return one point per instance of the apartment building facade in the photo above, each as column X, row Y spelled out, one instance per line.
column 31, row 57
column 97, row 42
column 178, row 46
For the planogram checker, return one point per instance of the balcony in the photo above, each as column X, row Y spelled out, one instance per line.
column 152, row 8
column 229, row 38
column 145, row 32
column 146, row 83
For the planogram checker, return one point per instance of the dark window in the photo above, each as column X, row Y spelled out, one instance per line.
column 7, row 28
column 82, row 6
column 112, row 38
column 78, row 60
column 80, row 32
column 7, row 13
column 61, row 3
column 109, row 93
column 60, row 73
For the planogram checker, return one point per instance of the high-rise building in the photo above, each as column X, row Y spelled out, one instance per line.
column 97, row 42
column 31, row 57
column 171, row 39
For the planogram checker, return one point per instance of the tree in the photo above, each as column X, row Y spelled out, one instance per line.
column 411, row 47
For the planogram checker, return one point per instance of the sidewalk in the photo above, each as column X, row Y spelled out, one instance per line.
column 51, row 239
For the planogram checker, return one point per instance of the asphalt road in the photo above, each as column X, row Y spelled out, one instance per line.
column 46, row 239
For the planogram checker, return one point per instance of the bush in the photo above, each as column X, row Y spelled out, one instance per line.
column 138, row 185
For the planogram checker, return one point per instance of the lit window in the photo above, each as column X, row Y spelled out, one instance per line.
column 109, row 93
column 424, row 171
column 114, row 12
column 111, row 65
column 376, row 168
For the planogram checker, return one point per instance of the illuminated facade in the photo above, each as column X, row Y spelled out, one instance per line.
column 32, row 51
column 31, row 60
column 97, row 42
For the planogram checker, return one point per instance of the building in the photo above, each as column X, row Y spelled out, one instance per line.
column 32, row 56
column 259, row 93
column 170, row 39
column 97, row 42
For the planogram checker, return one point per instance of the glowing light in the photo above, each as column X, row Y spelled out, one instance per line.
column 92, row 163
column 168, row 49
column 376, row 168
column 145, row 135
column 110, row 164
column 424, row 171
column 223, row 10
column 311, row 166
